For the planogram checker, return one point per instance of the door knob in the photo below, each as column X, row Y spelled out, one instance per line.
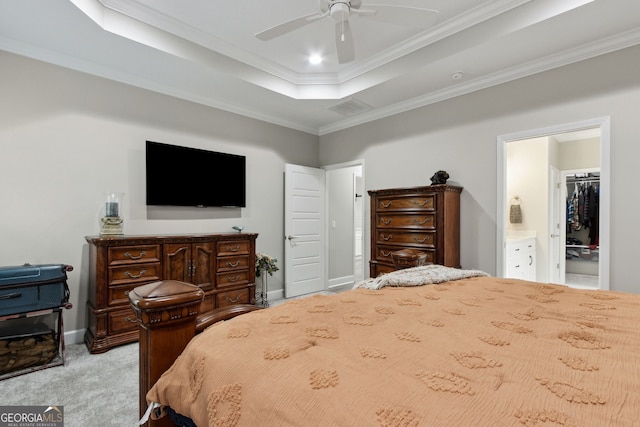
column 290, row 237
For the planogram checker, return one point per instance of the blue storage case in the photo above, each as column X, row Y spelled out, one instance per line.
column 28, row 288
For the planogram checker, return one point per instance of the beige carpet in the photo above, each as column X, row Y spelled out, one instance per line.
column 95, row 389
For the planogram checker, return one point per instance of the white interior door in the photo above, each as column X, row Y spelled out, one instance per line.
column 304, row 228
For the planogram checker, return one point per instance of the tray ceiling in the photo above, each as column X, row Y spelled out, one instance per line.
column 207, row 51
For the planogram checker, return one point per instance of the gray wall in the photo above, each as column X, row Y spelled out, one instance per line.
column 459, row 135
column 67, row 138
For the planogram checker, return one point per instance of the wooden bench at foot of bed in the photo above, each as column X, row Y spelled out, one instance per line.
column 167, row 314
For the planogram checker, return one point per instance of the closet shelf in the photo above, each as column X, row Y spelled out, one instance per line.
column 582, row 253
column 583, row 247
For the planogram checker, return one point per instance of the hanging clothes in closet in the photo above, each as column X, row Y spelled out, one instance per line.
column 583, row 207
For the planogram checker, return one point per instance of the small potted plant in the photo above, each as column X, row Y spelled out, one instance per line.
column 264, row 264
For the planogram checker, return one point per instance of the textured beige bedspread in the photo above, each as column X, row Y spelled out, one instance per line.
column 474, row 352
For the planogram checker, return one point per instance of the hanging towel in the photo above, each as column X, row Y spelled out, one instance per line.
column 515, row 213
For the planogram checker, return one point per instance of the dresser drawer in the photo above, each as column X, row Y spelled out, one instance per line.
column 136, row 273
column 208, row 303
column 232, row 278
column 391, row 203
column 240, row 296
column 383, row 254
column 119, row 295
column 233, row 247
column 412, row 221
column 118, row 323
column 425, row 239
column 134, row 254
column 384, row 269
column 240, row 262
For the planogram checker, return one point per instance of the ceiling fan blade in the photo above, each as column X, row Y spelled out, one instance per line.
column 404, row 15
column 344, row 42
column 363, row 12
column 288, row 26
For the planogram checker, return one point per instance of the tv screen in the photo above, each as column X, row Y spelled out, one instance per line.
column 183, row 176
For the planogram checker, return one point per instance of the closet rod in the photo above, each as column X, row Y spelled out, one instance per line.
column 585, row 179
column 582, row 178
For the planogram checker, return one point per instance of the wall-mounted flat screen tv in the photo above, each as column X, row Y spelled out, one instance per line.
column 184, row 176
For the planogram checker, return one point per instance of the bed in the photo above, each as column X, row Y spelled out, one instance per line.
column 460, row 350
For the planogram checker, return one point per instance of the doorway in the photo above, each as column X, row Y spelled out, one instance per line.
column 345, row 224
column 324, row 227
column 580, row 266
column 537, row 196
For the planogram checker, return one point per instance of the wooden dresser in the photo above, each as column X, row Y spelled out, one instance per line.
column 222, row 265
column 423, row 218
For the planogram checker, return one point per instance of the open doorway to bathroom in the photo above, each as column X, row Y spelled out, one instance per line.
column 540, row 173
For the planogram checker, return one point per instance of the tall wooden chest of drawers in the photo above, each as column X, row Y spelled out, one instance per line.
column 222, row 265
column 423, row 218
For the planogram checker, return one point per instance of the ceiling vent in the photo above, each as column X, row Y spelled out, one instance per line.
column 351, row 107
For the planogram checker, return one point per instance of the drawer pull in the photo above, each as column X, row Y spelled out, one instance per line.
column 234, row 300
column 386, row 238
column 422, row 204
column 385, row 253
column 386, row 221
column 421, row 222
column 233, row 279
column 142, row 253
column 129, row 319
column 233, row 264
column 11, row 296
column 386, row 204
column 135, row 276
column 233, row 249
column 419, row 240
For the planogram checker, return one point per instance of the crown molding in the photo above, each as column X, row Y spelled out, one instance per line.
column 98, row 70
column 570, row 56
column 143, row 14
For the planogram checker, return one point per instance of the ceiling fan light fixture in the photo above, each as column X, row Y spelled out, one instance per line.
column 315, row 59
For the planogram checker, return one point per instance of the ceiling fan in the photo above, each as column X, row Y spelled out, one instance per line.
column 340, row 11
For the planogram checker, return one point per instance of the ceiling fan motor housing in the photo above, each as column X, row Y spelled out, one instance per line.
column 339, row 10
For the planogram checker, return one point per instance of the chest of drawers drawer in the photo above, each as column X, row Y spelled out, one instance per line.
column 413, row 221
column 383, row 254
column 392, row 203
column 412, row 238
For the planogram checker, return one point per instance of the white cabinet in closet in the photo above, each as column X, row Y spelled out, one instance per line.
column 521, row 258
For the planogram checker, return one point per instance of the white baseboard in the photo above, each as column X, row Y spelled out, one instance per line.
column 340, row 283
column 74, row 337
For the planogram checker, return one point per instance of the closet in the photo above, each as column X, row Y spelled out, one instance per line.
column 582, row 228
